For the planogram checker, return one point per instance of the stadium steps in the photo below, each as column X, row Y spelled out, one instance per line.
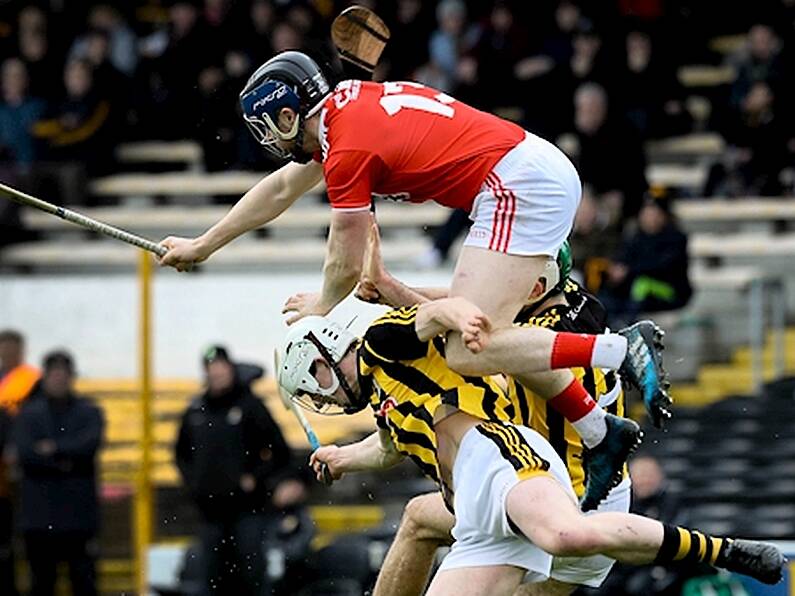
column 119, row 400
column 60, row 256
column 732, row 463
column 716, row 381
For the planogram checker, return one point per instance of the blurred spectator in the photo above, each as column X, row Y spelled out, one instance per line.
column 761, row 61
column 610, row 157
column 649, row 273
column 220, row 130
column 122, row 53
column 596, row 235
column 218, row 18
column 453, row 38
column 173, row 57
column 76, row 135
column 43, row 67
column 57, row 436
column 589, row 61
column 236, row 466
column 96, row 51
column 403, row 53
column 650, row 497
column 558, row 42
column 7, row 565
column 75, row 129
column 757, row 151
column 652, row 97
column 499, row 50
column 286, row 37
column 17, row 379
column 262, row 18
column 18, row 113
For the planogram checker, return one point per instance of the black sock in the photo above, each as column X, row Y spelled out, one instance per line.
column 682, row 544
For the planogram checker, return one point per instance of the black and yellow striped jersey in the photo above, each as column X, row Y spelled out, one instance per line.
column 407, row 379
column 583, row 313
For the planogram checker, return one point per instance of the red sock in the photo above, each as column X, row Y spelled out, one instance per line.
column 573, row 402
column 572, row 349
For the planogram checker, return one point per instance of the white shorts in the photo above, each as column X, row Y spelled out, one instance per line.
column 527, row 204
column 592, row 571
column 485, row 470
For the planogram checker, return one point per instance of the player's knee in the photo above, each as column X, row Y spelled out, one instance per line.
column 415, row 524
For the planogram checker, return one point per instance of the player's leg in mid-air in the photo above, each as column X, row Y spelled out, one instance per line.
column 499, row 283
column 521, row 217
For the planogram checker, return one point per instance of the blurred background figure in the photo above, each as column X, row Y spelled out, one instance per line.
column 609, row 154
column 649, row 273
column 756, row 135
column 17, row 379
column 236, row 465
column 651, row 95
column 18, row 113
column 76, row 135
column 57, row 435
column 7, row 570
column 452, row 39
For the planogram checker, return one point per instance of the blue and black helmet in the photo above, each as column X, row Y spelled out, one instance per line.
column 290, row 79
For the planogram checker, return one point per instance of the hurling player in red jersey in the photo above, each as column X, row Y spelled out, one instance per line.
column 410, row 142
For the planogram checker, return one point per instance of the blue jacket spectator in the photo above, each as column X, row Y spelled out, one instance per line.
column 18, row 113
column 57, row 435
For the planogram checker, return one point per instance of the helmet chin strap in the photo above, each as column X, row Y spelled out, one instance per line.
column 298, row 154
column 356, row 403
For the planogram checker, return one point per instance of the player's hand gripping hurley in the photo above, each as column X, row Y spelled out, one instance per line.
column 299, row 415
column 87, row 222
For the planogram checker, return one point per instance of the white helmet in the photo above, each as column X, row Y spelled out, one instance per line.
column 307, row 340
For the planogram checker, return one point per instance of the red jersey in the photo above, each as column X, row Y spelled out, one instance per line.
column 405, row 141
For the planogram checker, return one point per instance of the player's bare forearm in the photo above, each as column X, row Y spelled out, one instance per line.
column 345, row 251
column 454, row 314
column 447, row 314
column 396, row 294
column 268, row 199
column 375, row 452
column 431, row 320
column 432, row 293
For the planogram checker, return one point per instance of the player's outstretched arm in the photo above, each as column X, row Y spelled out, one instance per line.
column 268, row 199
column 375, row 452
column 454, row 314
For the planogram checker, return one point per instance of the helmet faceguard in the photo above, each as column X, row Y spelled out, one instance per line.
column 290, row 79
column 310, row 339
